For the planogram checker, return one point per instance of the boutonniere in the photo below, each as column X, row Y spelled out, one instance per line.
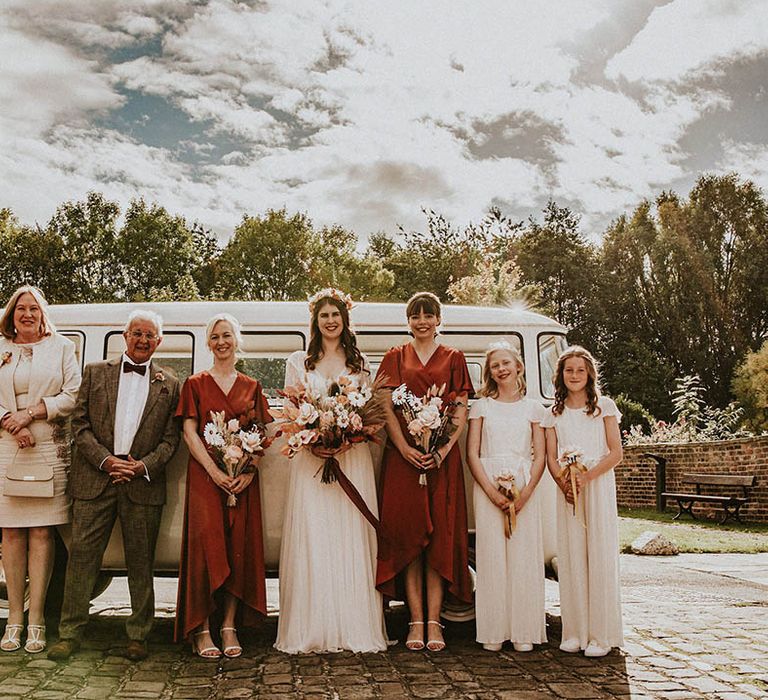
column 5, row 358
column 158, row 377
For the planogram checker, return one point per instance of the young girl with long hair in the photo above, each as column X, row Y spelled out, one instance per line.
column 584, row 426
column 506, row 441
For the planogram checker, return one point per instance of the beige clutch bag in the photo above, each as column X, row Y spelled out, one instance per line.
column 29, row 475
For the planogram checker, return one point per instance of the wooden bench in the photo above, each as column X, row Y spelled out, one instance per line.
column 730, row 504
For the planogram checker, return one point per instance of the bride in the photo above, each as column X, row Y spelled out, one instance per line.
column 328, row 596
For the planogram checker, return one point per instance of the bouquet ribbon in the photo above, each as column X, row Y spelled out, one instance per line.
column 510, row 515
column 333, row 469
column 568, row 473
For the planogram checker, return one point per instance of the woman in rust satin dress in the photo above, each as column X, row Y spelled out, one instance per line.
column 222, row 555
column 426, row 526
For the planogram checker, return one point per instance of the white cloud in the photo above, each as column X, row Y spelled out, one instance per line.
column 389, row 107
column 45, row 83
column 688, row 37
column 750, row 160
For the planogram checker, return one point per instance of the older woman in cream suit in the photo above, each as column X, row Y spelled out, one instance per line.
column 39, row 379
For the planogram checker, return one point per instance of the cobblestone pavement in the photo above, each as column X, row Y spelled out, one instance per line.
column 690, row 633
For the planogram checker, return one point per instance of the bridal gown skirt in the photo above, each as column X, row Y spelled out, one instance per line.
column 328, row 598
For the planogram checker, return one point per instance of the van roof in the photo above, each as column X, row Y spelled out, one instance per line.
column 286, row 313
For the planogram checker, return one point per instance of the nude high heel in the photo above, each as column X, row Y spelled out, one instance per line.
column 233, row 651
column 209, row 652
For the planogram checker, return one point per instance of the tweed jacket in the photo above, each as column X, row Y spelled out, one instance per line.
column 54, row 378
column 93, row 428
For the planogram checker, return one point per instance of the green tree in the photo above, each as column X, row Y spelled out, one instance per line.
column 339, row 265
column 750, row 386
column 155, row 251
column 269, row 258
column 31, row 255
column 555, row 257
column 443, row 253
column 90, row 259
column 688, row 284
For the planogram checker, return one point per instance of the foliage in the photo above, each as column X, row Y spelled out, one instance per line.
column 433, row 259
column 689, row 281
column 695, row 421
column 633, row 413
column 491, row 288
column 750, row 386
column 556, row 258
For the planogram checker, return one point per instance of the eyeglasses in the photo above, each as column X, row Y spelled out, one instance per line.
column 138, row 335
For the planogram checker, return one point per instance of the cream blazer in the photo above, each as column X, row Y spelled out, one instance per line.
column 54, row 378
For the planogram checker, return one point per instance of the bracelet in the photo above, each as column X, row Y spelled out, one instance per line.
column 31, row 413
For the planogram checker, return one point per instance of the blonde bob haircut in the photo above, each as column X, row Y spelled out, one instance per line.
column 7, row 327
column 490, row 388
column 232, row 321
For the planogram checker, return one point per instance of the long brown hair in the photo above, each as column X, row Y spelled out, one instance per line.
column 593, row 385
column 354, row 358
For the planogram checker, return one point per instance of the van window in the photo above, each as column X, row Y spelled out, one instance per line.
column 78, row 338
column 263, row 355
column 551, row 346
column 176, row 352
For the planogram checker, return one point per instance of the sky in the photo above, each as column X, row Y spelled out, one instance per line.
column 363, row 113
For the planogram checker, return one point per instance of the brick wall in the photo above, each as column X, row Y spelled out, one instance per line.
column 636, row 475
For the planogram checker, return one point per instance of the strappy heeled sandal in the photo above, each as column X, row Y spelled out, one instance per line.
column 11, row 640
column 35, row 639
column 233, row 651
column 209, row 652
column 435, row 644
column 414, row 644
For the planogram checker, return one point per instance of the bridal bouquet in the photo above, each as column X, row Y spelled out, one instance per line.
column 346, row 413
column 234, row 443
column 570, row 463
column 429, row 418
column 505, row 483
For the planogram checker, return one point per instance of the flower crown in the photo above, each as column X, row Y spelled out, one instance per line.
column 330, row 293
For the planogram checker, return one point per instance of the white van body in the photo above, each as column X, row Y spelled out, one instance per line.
column 273, row 330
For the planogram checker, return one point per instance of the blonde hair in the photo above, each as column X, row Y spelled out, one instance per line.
column 232, row 321
column 7, row 327
column 490, row 388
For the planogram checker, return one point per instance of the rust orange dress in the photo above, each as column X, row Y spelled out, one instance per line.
column 222, row 547
column 432, row 518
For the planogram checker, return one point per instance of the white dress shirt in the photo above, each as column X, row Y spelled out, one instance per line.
column 132, row 393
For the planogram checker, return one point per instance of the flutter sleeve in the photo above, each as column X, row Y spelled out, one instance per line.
column 477, row 409
column 537, row 413
column 389, row 369
column 548, row 418
column 608, row 407
column 189, row 402
column 461, row 382
column 294, row 368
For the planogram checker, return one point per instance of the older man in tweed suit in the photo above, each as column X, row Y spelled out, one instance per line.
column 125, row 433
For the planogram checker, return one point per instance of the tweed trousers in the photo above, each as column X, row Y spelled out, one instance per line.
column 92, row 524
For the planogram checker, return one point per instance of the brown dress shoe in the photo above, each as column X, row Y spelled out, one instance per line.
column 135, row 650
column 63, row 649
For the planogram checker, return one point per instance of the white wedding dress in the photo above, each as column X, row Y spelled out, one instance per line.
column 328, row 596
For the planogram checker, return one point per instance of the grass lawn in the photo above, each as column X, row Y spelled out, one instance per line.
column 693, row 535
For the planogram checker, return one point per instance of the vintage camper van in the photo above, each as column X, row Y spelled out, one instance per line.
column 271, row 331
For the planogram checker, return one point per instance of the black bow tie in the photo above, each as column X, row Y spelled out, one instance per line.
column 130, row 367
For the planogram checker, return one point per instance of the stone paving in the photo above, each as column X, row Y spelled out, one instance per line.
column 690, row 633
